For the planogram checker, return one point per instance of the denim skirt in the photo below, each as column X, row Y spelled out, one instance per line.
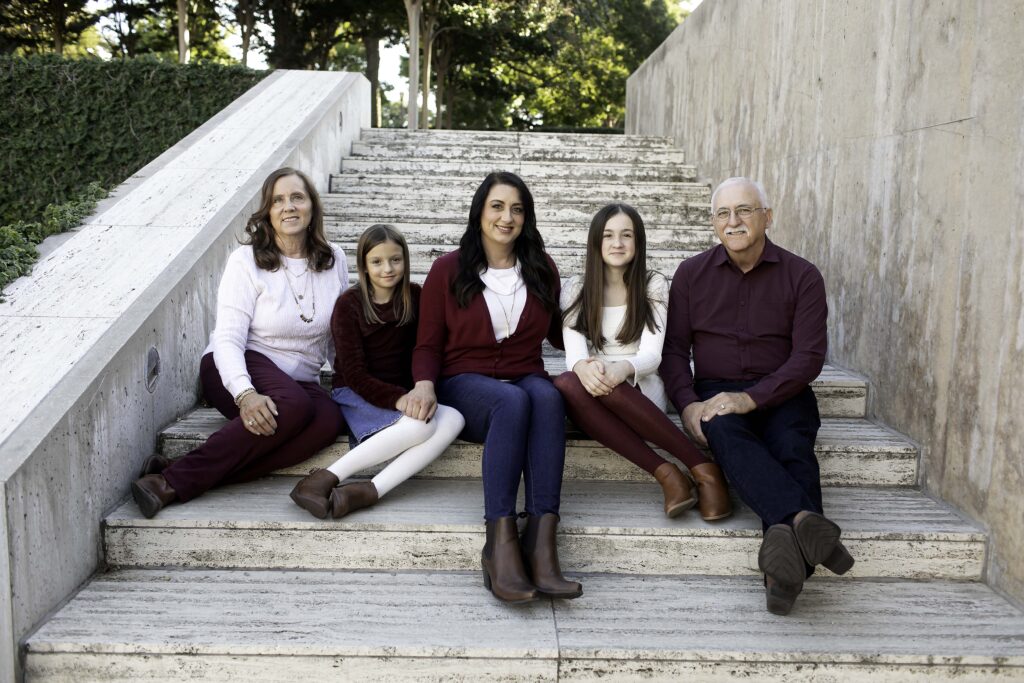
column 364, row 419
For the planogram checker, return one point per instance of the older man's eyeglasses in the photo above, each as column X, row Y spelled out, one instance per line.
column 742, row 212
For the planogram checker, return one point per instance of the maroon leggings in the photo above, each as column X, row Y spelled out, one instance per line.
column 624, row 421
column 307, row 420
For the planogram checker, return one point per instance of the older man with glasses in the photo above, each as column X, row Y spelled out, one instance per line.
column 754, row 316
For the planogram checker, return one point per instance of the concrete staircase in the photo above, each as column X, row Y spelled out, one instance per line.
column 241, row 584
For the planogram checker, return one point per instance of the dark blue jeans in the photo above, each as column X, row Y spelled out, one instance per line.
column 521, row 424
column 768, row 454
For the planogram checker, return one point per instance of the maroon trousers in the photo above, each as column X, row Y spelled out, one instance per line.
column 624, row 421
column 307, row 421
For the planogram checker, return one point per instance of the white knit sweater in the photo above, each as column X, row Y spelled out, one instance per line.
column 644, row 355
column 256, row 311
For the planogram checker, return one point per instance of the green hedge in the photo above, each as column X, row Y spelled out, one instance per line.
column 68, row 123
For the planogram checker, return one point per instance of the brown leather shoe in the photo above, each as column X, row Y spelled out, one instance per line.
column 155, row 464
column 152, row 493
column 352, row 497
column 502, row 562
column 818, row 537
column 712, row 492
column 679, row 493
column 779, row 597
column 311, row 492
column 540, row 555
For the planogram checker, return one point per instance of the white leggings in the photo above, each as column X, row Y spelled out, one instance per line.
column 415, row 442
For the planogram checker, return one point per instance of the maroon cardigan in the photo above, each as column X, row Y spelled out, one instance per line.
column 374, row 360
column 453, row 340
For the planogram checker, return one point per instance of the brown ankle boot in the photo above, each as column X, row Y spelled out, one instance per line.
column 714, row 495
column 502, row 562
column 352, row 497
column 152, row 493
column 311, row 492
column 679, row 495
column 540, row 555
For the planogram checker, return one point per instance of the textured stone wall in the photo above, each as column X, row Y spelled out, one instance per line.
column 890, row 136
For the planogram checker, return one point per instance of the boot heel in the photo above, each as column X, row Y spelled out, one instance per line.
column 487, row 577
column 839, row 560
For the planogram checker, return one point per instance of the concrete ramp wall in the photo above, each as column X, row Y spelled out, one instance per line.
column 890, row 136
column 101, row 343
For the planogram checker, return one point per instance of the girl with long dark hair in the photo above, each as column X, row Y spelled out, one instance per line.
column 614, row 328
column 485, row 311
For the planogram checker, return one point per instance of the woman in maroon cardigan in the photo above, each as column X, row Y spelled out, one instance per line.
column 484, row 313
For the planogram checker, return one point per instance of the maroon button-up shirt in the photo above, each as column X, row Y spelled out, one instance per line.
column 767, row 325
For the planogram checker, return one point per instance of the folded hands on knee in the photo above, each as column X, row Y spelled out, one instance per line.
column 723, row 403
column 258, row 412
column 600, row 378
column 420, row 403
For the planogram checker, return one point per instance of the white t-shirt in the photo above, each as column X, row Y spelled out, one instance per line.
column 505, row 295
column 257, row 311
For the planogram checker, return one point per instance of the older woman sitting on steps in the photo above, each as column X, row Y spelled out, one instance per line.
column 272, row 336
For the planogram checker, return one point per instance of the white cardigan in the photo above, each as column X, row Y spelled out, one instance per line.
column 256, row 311
column 644, row 355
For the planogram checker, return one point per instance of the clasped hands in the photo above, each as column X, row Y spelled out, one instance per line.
column 420, row 403
column 724, row 403
column 600, row 377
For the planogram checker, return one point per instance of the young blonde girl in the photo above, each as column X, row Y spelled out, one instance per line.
column 614, row 327
column 374, row 329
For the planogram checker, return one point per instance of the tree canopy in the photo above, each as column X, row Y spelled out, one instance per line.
column 485, row 63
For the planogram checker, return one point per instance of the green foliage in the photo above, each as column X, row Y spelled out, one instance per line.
column 18, row 241
column 67, row 123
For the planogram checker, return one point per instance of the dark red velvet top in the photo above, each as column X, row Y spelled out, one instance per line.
column 767, row 325
column 374, row 360
column 453, row 340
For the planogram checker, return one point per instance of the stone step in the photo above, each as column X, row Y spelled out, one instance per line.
column 471, row 138
column 510, row 151
column 528, row 170
column 683, row 238
column 369, row 209
column 615, row 527
column 434, row 184
column 851, row 452
column 169, row 625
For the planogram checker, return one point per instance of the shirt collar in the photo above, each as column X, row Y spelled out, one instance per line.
column 720, row 257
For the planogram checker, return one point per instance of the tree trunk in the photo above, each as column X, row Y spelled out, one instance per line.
column 371, row 45
column 428, row 41
column 245, row 15
column 413, row 8
column 183, row 31
column 444, row 53
column 449, row 107
column 58, row 19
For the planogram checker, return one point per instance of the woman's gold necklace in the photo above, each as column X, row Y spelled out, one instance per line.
column 299, row 297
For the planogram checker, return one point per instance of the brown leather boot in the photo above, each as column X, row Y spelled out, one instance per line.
column 311, row 492
column 540, row 555
column 155, row 464
column 679, row 495
column 714, row 494
column 352, row 497
column 152, row 493
column 502, row 562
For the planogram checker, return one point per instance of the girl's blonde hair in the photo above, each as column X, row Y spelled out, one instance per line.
column 402, row 299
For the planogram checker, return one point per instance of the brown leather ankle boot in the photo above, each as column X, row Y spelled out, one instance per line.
column 311, row 492
column 714, row 494
column 540, row 555
column 679, row 494
column 502, row 562
column 152, row 493
column 352, row 497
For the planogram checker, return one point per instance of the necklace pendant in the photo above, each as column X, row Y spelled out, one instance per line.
column 301, row 297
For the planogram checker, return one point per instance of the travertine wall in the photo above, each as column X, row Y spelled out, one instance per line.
column 890, row 136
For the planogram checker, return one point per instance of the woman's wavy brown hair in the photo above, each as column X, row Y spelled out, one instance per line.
column 584, row 313
column 260, row 233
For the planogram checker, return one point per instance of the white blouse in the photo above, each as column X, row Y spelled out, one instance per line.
column 257, row 311
column 505, row 296
column 644, row 355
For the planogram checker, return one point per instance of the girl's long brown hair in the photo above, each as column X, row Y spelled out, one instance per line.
column 401, row 301
column 260, row 233
column 585, row 310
